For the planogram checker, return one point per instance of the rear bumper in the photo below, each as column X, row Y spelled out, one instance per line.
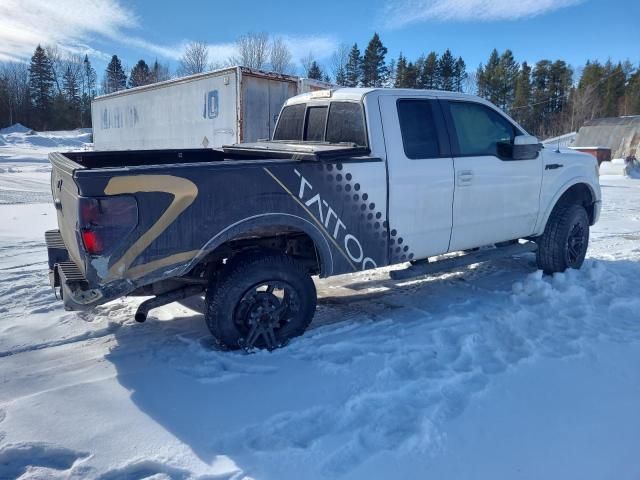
column 67, row 279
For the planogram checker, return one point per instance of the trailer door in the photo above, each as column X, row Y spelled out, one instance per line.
column 261, row 103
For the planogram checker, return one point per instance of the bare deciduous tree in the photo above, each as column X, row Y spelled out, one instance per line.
column 280, row 56
column 195, row 59
column 15, row 77
column 307, row 62
column 253, row 50
column 339, row 61
column 586, row 104
column 57, row 65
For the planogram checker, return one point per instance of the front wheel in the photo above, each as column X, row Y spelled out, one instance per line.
column 260, row 301
column 565, row 239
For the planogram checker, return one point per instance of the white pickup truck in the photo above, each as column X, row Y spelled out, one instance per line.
column 353, row 179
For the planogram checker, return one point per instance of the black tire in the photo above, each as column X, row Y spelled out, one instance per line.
column 565, row 239
column 244, row 300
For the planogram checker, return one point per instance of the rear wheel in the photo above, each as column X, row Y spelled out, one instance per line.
column 260, row 301
column 565, row 239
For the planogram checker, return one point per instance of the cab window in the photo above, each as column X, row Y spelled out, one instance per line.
column 290, row 123
column 346, row 123
column 314, row 124
column 479, row 129
column 418, row 129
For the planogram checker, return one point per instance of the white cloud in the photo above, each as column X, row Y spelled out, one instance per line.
column 66, row 23
column 400, row 13
column 320, row 46
column 74, row 25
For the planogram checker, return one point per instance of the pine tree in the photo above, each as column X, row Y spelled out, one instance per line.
column 551, row 84
column 341, row 76
column 540, row 80
column 6, row 114
column 459, row 75
column 114, row 77
column 411, row 76
column 140, row 75
column 89, row 78
column 489, row 78
column 374, row 70
column 428, row 75
column 71, row 96
column 521, row 109
column 159, row 73
column 88, row 91
column 41, row 88
column 632, row 94
column 314, row 72
column 70, row 85
column 506, row 75
column 353, row 69
column 391, row 74
column 401, row 72
column 614, row 87
column 446, row 71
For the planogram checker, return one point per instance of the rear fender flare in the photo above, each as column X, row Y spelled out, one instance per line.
column 266, row 219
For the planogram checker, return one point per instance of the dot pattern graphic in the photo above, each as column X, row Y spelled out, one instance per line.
column 373, row 224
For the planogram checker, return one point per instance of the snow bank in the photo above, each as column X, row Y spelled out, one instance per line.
column 15, row 128
column 617, row 166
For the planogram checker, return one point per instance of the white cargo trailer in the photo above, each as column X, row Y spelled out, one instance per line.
column 211, row 109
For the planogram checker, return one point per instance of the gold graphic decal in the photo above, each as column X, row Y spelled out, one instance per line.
column 184, row 193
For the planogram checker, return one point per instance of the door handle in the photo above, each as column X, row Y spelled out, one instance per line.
column 465, row 177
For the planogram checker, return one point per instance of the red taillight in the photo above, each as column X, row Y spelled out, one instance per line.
column 92, row 242
column 105, row 221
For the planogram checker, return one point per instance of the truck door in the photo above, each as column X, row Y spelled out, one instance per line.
column 420, row 169
column 496, row 198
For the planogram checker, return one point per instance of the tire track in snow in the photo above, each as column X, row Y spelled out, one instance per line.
column 425, row 368
column 152, row 468
column 111, row 328
column 36, row 458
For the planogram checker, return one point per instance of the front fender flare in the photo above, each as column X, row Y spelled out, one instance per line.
column 544, row 217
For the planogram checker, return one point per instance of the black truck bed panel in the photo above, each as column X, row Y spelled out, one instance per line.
column 196, row 201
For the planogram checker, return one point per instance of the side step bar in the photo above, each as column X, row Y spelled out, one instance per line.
column 450, row 263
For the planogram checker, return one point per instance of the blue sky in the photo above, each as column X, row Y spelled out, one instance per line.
column 574, row 30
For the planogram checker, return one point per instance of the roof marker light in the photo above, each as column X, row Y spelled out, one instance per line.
column 321, row 94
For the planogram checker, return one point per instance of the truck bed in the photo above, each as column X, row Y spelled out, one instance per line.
column 189, row 202
column 254, row 151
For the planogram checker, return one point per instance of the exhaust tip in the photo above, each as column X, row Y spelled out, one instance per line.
column 140, row 317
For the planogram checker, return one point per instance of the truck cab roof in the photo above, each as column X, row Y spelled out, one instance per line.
column 358, row 94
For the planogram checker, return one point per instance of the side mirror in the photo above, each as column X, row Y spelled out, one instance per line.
column 524, row 147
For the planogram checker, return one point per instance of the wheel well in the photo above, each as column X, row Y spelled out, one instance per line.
column 579, row 194
column 275, row 238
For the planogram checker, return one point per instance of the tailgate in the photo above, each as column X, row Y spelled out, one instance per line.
column 65, row 198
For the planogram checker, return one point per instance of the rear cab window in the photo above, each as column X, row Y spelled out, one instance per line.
column 290, row 123
column 315, row 123
column 337, row 122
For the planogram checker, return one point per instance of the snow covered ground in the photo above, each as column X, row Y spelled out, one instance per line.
column 487, row 372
